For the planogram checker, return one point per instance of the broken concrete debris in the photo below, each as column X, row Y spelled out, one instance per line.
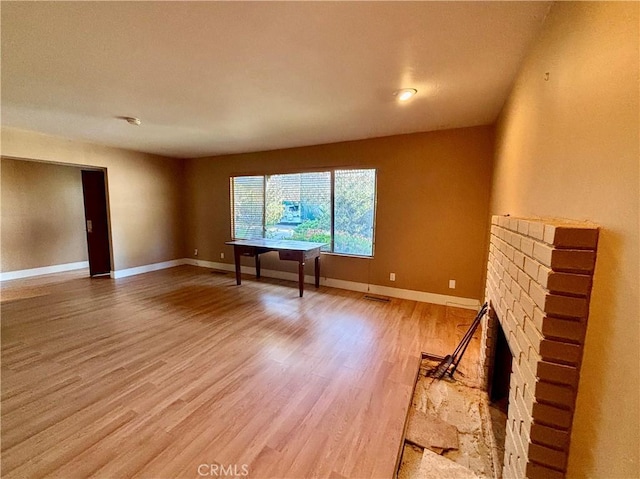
column 447, row 422
column 430, row 432
column 434, row 466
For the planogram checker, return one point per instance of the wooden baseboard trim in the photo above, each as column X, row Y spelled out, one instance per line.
column 147, row 268
column 422, row 296
column 57, row 268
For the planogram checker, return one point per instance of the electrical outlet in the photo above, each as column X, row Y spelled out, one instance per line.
column 195, row 252
column 392, row 277
column 452, row 284
column 221, row 255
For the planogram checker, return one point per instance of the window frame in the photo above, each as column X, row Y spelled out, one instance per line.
column 331, row 171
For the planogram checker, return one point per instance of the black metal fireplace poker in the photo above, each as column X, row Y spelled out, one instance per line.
column 454, row 359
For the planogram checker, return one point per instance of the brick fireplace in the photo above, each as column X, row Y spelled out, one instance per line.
column 539, row 277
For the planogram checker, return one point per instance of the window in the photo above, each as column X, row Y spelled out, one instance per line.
column 334, row 207
column 248, row 206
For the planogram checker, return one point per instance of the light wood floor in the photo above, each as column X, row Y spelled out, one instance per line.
column 155, row 375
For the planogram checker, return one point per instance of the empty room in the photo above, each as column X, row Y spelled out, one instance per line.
column 320, row 240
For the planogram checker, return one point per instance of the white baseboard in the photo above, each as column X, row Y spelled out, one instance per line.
column 57, row 268
column 421, row 296
column 147, row 268
column 424, row 297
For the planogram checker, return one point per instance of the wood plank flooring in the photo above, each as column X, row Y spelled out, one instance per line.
column 180, row 372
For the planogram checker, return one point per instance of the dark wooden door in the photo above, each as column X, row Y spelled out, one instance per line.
column 96, row 224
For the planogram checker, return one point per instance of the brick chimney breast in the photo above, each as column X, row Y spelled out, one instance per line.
column 539, row 277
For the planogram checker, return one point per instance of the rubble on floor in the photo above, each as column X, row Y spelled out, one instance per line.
column 430, row 432
column 435, row 466
column 498, row 414
column 445, row 412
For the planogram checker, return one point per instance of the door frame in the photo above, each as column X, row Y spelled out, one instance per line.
column 108, row 232
column 80, row 167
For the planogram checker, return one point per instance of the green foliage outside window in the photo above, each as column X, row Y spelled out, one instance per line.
column 298, row 207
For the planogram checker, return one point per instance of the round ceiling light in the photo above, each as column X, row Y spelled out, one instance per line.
column 405, row 93
column 132, row 120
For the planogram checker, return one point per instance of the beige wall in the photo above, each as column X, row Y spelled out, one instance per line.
column 145, row 193
column 41, row 215
column 432, row 216
column 569, row 147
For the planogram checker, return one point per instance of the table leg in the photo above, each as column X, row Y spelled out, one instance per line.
column 257, row 266
column 317, row 269
column 236, row 255
column 301, row 277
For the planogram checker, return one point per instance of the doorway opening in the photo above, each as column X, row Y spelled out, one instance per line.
column 96, row 222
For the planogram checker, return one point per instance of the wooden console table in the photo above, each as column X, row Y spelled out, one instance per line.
column 299, row 251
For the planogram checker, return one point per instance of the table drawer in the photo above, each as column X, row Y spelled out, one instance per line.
column 313, row 253
column 291, row 255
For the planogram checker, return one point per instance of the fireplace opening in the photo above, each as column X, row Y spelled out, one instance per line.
column 499, row 392
column 499, row 384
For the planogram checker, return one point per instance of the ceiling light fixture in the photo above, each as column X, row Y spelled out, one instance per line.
column 405, row 93
column 132, row 120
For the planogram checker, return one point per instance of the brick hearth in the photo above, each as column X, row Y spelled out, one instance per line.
column 539, row 277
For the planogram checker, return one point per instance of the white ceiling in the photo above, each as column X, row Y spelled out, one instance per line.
column 210, row 78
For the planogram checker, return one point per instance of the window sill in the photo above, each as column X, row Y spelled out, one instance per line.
column 345, row 255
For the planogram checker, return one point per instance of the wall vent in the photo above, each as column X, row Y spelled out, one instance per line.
column 380, row 299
